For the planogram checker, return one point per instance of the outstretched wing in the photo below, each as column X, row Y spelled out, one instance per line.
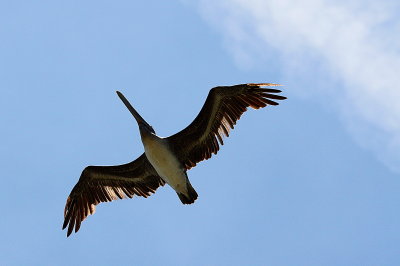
column 106, row 183
column 223, row 107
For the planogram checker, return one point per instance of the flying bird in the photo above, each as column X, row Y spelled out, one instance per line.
column 166, row 160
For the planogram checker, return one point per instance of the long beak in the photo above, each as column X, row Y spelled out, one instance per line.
column 135, row 114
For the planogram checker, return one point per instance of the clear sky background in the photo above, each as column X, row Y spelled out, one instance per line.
column 314, row 181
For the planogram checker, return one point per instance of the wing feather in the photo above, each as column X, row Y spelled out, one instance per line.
column 223, row 108
column 107, row 183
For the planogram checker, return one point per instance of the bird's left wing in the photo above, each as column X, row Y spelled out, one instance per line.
column 223, row 107
column 106, row 183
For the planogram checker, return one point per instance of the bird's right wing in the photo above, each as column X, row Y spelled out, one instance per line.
column 223, row 108
column 106, row 183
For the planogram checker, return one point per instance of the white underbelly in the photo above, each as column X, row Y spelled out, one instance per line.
column 166, row 164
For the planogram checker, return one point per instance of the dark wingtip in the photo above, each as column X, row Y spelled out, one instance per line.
column 69, row 231
column 64, row 224
column 71, row 227
column 270, row 90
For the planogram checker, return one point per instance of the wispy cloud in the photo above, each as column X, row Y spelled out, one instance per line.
column 355, row 43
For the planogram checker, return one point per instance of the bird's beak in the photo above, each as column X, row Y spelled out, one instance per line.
column 135, row 114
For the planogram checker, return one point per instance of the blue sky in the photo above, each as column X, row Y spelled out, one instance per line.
column 314, row 181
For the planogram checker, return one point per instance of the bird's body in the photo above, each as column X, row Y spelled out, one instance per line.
column 166, row 160
column 166, row 164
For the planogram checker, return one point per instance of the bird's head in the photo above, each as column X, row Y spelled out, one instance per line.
column 144, row 127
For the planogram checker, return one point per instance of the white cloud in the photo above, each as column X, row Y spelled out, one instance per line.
column 357, row 44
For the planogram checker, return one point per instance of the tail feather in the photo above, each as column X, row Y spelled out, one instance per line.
column 192, row 195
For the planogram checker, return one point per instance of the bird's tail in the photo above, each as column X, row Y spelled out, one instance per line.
column 191, row 197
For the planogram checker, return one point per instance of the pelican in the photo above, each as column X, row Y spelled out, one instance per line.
column 166, row 160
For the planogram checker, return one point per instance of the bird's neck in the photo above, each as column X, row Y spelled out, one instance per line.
column 146, row 135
